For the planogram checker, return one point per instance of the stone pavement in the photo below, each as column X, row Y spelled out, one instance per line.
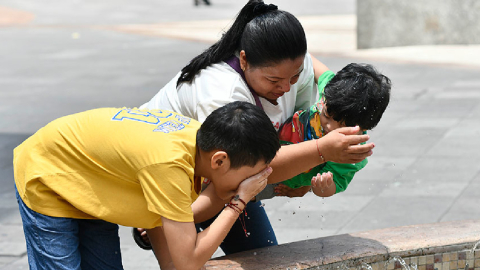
column 58, row 58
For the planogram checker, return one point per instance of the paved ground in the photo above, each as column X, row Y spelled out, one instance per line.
column 58, row 58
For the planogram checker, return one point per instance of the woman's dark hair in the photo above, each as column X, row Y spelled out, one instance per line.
column 358, row 95
column 243, row 131
column 266, row 34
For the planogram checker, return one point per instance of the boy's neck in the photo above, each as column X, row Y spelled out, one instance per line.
column 202, row 160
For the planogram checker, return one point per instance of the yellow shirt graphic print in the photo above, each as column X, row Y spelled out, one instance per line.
column 171, row 122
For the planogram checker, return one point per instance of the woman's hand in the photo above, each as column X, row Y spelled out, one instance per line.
column 251, row 186
column 343, row 145
column 283, row 190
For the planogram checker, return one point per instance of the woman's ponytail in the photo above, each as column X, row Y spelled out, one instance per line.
column 228, row 44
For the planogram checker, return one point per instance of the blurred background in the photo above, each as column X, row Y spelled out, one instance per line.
column 62, row 57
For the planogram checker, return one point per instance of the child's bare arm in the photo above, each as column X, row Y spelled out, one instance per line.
column 189, row 250
column 323, row 185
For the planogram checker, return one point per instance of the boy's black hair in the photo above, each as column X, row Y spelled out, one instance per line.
column 266, row 34
column 243, row 131
column 358, row 95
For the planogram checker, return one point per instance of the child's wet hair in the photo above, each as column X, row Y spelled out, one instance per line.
column 358, row 95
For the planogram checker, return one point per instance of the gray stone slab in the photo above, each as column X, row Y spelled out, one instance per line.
column 432, row 170
column 384, row 212
column 408, row 142
column 19, row 263
column 466, row 204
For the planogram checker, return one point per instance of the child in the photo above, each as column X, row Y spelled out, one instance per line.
column 356, row 96
column 81, row 175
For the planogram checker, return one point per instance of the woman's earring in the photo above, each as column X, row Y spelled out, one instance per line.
column 243, row 69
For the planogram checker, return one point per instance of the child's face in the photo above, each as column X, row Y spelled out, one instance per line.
column 327, row 122
column 226, row 183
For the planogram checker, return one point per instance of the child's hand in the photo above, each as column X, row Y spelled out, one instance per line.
column 251, row 186
column 321, row 183
column 283, row 190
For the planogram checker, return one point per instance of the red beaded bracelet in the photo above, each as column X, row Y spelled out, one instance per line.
column 235, row 208
column 320, row 153
column 237, row 198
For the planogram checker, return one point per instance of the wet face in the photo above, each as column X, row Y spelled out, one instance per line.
column 328, row 123
column 274, row 81
column 226, row 183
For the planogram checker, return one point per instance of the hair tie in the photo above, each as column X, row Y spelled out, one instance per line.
column 262, row 8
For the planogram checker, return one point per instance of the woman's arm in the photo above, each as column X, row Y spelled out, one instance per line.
column 318, row 67
column 340, row 145
column 189, row 250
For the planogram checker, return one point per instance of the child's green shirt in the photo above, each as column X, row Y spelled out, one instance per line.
column 305, row 125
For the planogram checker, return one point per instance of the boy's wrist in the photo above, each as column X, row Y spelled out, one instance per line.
column 237, row 203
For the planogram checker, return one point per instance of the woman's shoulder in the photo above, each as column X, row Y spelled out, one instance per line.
column 221, row 81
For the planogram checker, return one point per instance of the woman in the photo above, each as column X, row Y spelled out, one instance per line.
column 261, row 59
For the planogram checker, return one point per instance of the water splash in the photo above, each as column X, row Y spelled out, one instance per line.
column 474, row 247
column 402, row 263
column 472, row 251
column 366, row 266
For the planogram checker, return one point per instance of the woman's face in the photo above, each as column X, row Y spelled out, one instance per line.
column 274, row 81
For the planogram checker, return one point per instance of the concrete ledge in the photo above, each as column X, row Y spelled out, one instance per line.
column 352, row 250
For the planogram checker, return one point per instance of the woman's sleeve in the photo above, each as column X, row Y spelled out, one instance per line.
column 307, row 93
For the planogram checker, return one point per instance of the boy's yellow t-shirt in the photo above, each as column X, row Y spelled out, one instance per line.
column 125, row 166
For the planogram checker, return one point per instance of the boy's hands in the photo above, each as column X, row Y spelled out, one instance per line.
column 323, row 185
column 342, row 145
column 251, row 186
column 284, row 190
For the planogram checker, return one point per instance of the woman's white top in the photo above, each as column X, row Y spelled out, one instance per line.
column 219, row 84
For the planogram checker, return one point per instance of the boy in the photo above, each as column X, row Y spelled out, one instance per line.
column 82, row 174
column 356, row 96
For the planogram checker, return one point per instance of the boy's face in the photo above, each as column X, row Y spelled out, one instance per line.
column 226, row 182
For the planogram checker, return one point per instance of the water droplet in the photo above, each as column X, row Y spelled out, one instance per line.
column 294, row 212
